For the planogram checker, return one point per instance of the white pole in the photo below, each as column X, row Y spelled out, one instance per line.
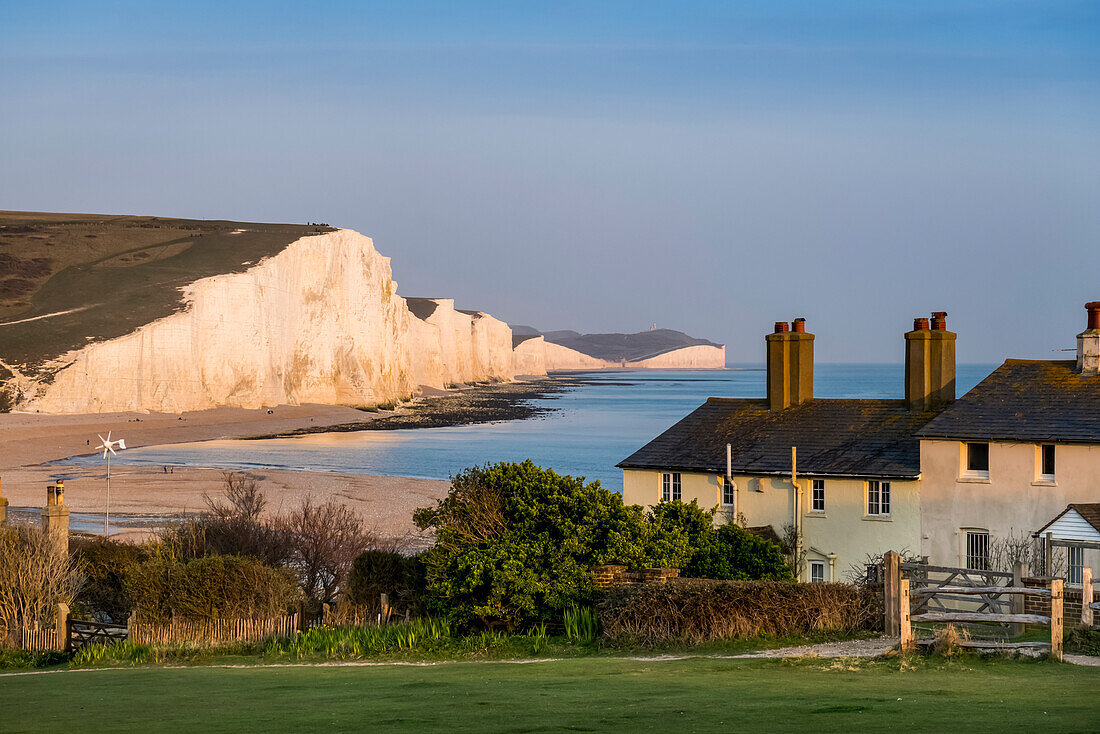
column 107, row 514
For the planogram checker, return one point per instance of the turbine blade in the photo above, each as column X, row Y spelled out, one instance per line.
column 111, row 449
column 101, row 439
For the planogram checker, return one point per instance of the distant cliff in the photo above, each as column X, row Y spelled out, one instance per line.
column 653, row 349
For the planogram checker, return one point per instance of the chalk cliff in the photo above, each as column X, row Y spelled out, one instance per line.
column 103, row 313
column 654, row 349
column 320, row 321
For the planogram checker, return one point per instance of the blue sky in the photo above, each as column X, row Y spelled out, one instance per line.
column 712, row 167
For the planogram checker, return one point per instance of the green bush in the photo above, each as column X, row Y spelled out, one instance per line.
column 11, row 659
column 691, row 611
column 210, row 587
column 723, row 552
column 105, row 565
column 377, row 572
column 515, row 544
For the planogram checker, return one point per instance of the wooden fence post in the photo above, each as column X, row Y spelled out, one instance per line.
column 1086, row 597
column 891, row 575
column 1020, row 570
column 63, row 627
column 1048, row 554
column 1056, row 619
column 905, row 626
column 384, row 615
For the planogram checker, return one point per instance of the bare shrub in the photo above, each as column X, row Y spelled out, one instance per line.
column 242, row 498
column 1014, row 548
column 324, row 540
column 35, row 576
column 697, row 610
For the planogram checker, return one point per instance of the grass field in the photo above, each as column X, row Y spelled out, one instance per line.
column 588, row 694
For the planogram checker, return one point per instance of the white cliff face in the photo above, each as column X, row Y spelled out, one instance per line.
column 699, row 357
column 529, row 357
column 319, row 322
column 564, row 358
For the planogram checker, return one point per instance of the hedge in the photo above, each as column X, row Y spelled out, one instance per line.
column 691, row 611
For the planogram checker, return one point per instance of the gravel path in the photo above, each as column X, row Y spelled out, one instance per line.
column 847, row 649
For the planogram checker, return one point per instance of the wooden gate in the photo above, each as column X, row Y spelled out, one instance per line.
column 83, row 632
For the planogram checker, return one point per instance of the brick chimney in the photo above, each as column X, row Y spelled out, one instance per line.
column 1088, row 342
column 55, row 516
column 790, row 364
column 930, row 364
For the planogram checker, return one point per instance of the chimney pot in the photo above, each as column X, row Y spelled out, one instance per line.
column 920, row 324
column 1093, row 307
column 939, row 321
column 798, row 326
column 782, row 327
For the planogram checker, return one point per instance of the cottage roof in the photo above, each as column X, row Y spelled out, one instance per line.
column 1089, row 512
column 851, row 438
column 1025, row 400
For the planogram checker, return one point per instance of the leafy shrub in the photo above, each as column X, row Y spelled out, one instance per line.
column 377, row 572
column 12, row 659
column 723, row 552
column 105, row 565
column 209, row 587
column 691, row 611
column 515, row 544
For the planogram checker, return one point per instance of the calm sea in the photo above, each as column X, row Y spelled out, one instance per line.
column 593, row 427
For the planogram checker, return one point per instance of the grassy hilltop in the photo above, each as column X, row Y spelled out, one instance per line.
column 112, row 274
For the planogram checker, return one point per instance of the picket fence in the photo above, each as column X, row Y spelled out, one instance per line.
column 213, row 631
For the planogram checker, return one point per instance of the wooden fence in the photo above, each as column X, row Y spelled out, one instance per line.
column 212, row 631
column 346, row 614
column 36, row 639
column 907, row 641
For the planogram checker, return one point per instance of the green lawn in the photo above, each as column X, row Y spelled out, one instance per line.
column 586, row 694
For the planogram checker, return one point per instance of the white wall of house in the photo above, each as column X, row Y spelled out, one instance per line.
column 1013, row 499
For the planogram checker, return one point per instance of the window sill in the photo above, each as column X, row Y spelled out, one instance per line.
column 815, row 513
column 1044, row 483
column 879, row 518
column 973, row 479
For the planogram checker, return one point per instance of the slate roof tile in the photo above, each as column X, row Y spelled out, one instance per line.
column 853, row 438
column 1025, row 400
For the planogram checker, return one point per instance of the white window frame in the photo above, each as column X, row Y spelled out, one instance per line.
column 729, row 490
column 976, row 549
column 818, row 578
column 976, row 473
column 672, row 487
column 878, row 503
column 817, row 491
column 1075, row 564
column 1044, row 476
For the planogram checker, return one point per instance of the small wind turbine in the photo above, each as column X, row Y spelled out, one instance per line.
column 108, row 447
